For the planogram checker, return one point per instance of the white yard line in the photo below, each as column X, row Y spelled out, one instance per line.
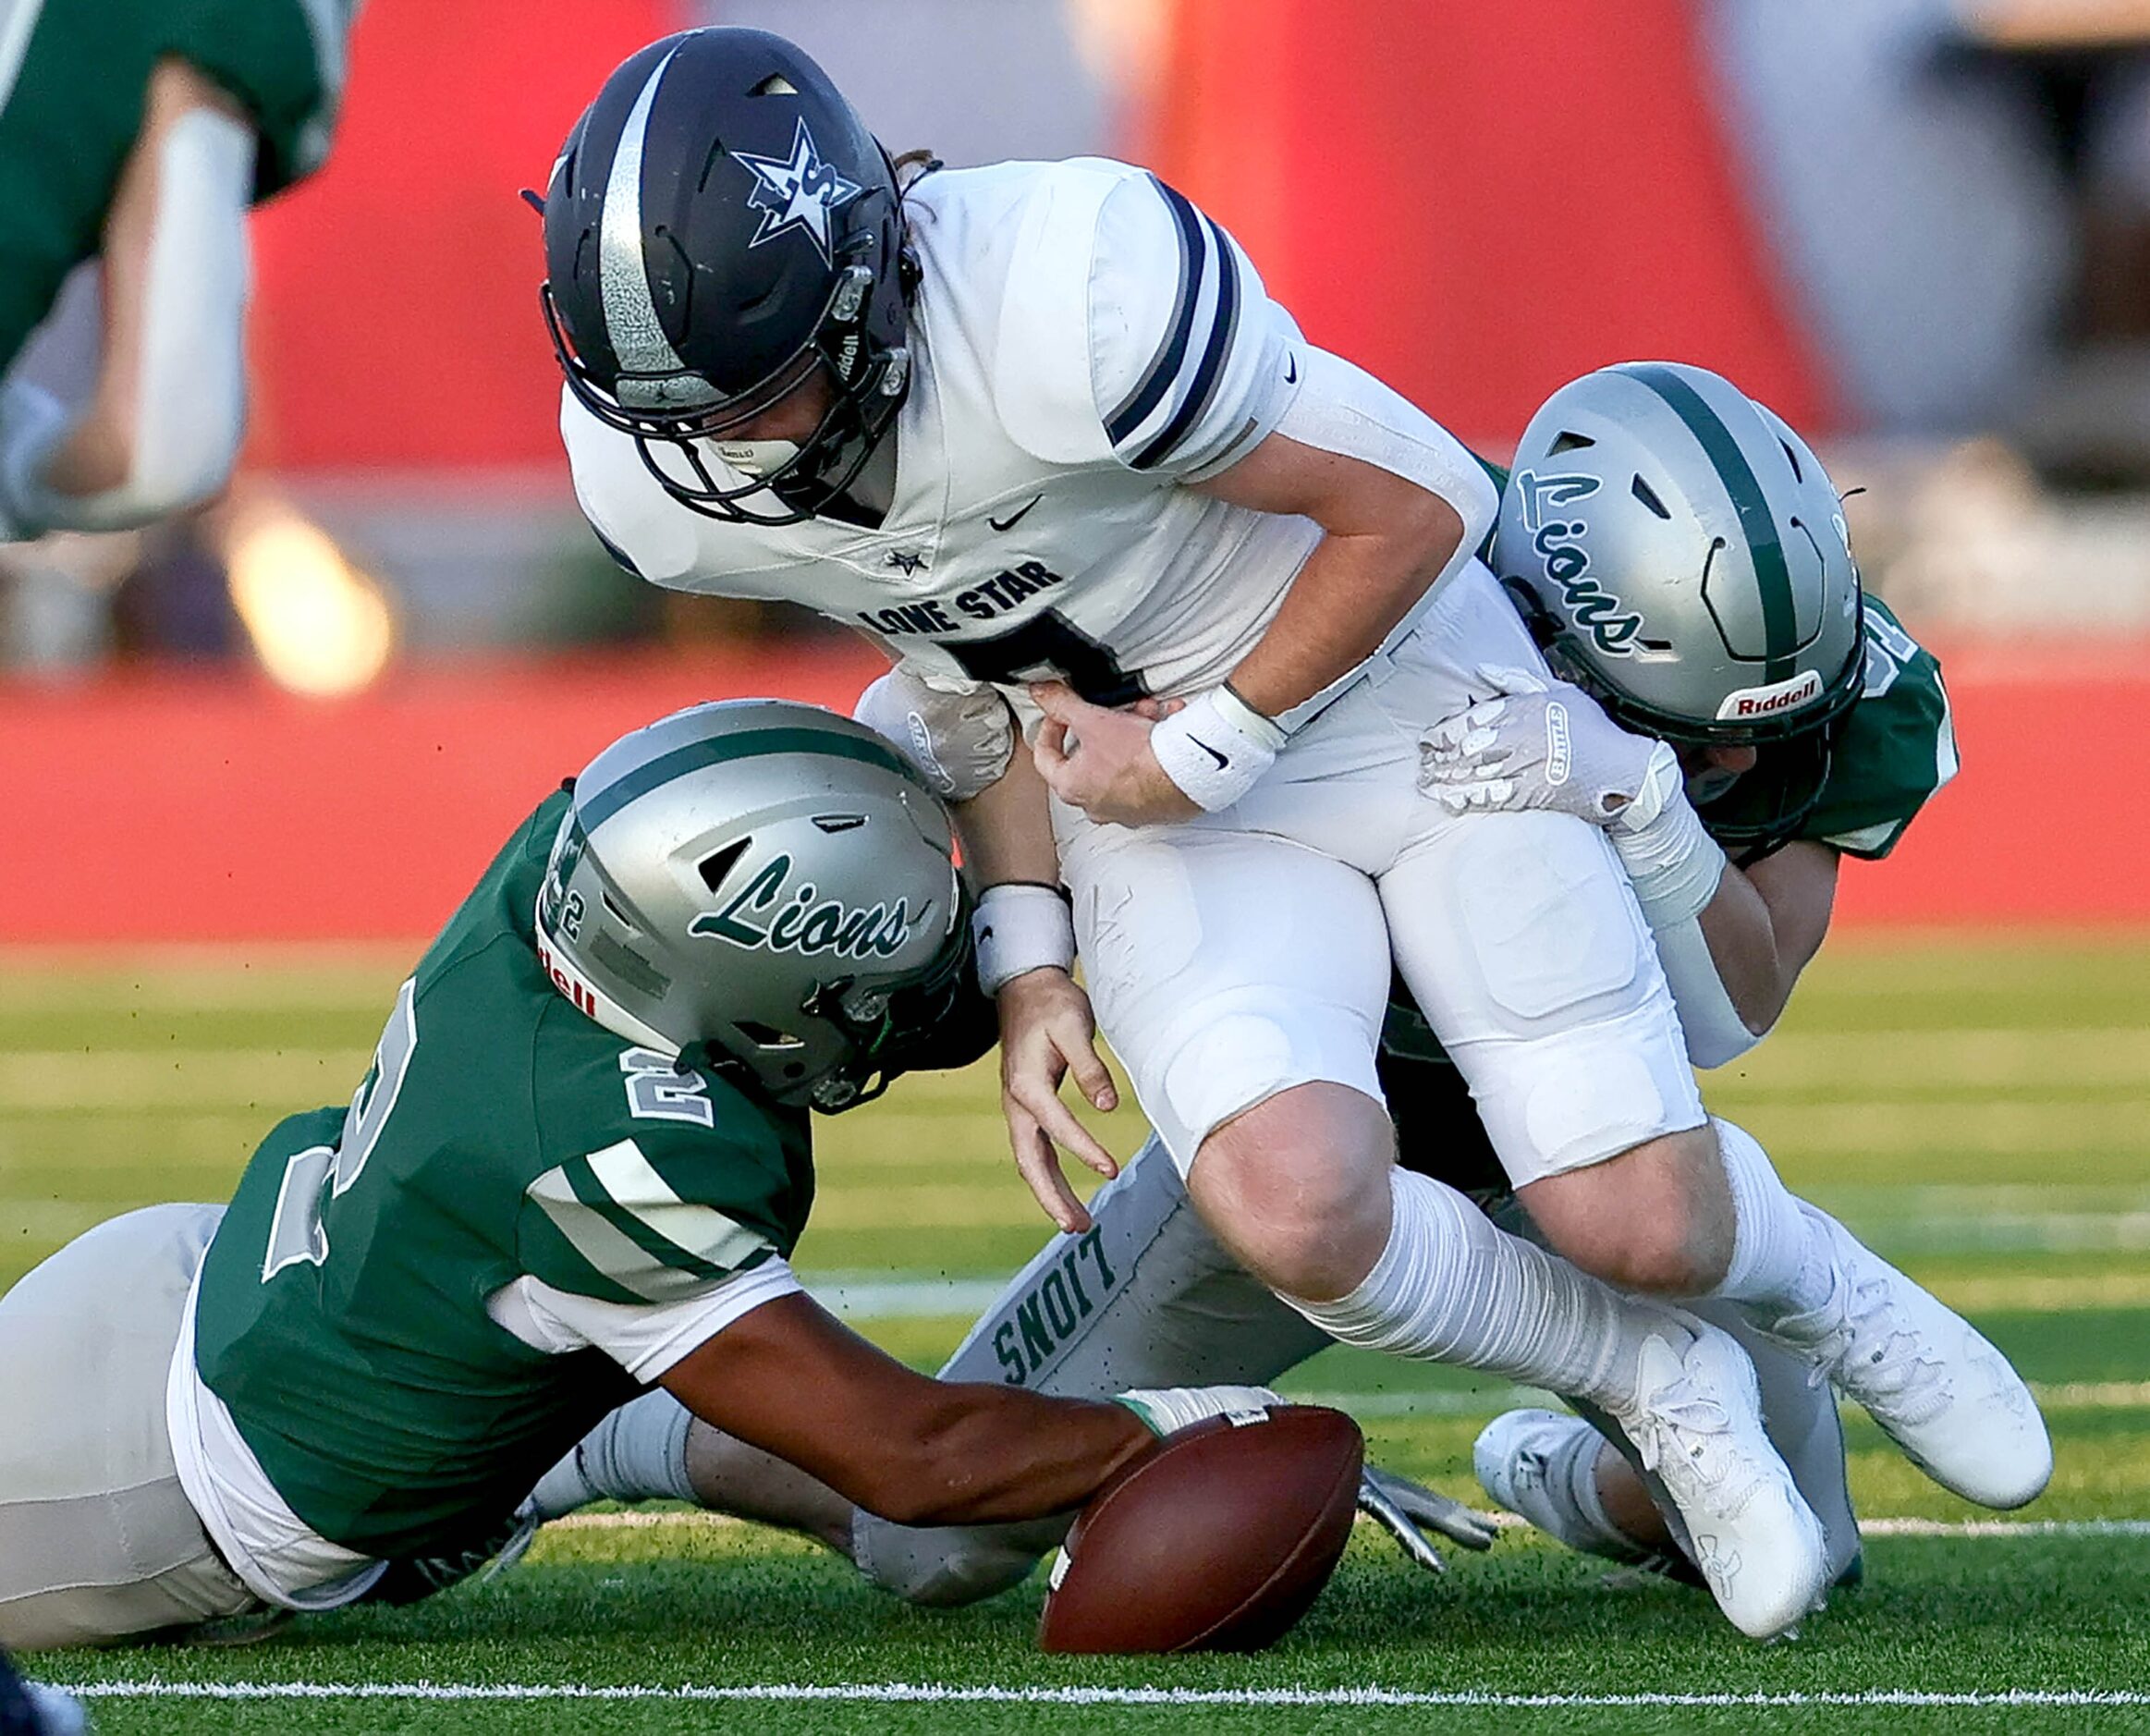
column 1903, row 1527
column 868, row 1299
column 888, row 1692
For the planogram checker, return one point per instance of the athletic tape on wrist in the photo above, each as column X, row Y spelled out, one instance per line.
column 1714, row 1032
column 1021, row 927
column 1216, row 748
column 1673, row 862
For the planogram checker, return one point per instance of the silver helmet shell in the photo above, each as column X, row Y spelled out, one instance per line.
column 1684, row 557
column 767, row 880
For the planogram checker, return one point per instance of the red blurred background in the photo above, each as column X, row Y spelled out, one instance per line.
column 1476, row 201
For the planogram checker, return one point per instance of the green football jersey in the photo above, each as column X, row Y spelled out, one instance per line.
column 69, row 116
column 500, row 1135
column 1896, row 748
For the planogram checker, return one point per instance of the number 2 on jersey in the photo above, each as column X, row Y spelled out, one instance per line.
column 324, row 1172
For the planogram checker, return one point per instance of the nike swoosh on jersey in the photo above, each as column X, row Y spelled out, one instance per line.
column 1016, row 516
column 1221, row 762
column 1291, row 370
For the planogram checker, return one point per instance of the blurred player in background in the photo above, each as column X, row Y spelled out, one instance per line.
column 27, row 1708
column 139, row 134
column 577, row 1168
column 1617, row 531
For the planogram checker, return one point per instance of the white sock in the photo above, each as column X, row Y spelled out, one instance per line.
column 1574, row 1474
column 639, row 1453
column 1450, row 1287
column 1783, row 1259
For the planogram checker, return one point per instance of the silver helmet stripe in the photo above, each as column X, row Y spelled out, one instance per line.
column 623, row 281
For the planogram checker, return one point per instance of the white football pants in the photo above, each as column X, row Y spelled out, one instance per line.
column 1244, row 952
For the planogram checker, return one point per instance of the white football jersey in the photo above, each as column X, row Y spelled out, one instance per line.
column 1083, row 341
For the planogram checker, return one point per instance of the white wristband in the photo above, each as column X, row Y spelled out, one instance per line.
column 1216, row 748
column 1673, row 862
column 1021, row 927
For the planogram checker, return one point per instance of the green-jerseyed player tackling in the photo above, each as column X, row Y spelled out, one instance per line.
column 139, row 133
column 1649, row 526
column 576, row 1168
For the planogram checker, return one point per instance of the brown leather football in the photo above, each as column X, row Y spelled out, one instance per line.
column 1217, row 1542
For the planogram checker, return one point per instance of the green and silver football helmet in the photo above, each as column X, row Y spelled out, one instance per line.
column 770, row 889
column 1683, row 555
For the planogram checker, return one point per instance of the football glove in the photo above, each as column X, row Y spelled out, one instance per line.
column 1540, row 743
column 1168, row 1410
column 1407, row 1510
column 960, row 742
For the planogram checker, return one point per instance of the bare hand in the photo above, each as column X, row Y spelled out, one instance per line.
column 1046, row 1032
column 1109, row 771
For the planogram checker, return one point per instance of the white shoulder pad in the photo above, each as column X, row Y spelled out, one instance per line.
column 1136, row 330
column 648, row 533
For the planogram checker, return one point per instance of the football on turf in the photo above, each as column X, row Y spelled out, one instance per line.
column 1218, row 1541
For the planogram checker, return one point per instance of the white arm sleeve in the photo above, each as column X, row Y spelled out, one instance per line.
column 190, row 396
column 646, row 1338
column 1716, row 1032
column 1342, row 408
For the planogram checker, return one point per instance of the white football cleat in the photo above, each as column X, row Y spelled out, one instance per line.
column 1937, row 1388
column 1526, row 1463
column 1697, row 1424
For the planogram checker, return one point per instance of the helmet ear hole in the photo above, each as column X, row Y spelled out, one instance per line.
column 1648, row 497
column 715, row 868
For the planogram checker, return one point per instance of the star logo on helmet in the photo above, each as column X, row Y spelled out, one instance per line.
column 796, row 192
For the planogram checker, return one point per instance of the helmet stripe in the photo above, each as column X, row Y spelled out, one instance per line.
column 630, row 316
column 1780, row 613
column 595, row 808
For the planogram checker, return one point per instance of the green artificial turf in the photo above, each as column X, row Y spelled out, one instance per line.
column 1980, row 1111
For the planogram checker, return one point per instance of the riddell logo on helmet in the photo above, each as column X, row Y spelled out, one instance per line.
column 568, row 982
column 1751, row 703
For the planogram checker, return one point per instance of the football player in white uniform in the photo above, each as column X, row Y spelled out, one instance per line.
column 1786, row 781
column 1041, row 423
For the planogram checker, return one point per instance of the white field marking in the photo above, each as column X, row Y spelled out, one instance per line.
column 862, row 1299
column 935, row 1694
column 173, row 1078
column 2075, row 1394
column 1964, row 1124
column 1878, row 1063
column 2010, row 1530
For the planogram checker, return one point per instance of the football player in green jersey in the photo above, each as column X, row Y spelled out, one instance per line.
column 1647, row 556
column 577, row 1168
column 139, row 132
